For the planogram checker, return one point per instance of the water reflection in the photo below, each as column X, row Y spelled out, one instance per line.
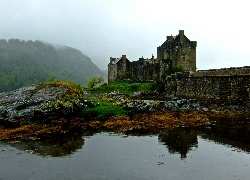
column 234, row 132
column 179, row 140
column 233, row 128
column 53, row 145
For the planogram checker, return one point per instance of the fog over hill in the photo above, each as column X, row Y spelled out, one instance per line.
column 31, row 62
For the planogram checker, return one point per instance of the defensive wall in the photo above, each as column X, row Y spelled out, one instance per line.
column 228, row 86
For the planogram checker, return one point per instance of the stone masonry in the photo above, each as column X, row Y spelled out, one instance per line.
column 175, row 51
column 225, row 87
column 228, row 86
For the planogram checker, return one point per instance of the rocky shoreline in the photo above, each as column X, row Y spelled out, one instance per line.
column 34, row 110
column 32, row 104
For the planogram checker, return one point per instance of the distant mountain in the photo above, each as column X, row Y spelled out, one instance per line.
column 30, row 62
column 105, row 72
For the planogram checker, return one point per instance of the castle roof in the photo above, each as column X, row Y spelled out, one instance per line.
column 177, row 39
column 115, row 60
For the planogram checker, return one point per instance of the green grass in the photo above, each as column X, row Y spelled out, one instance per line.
column 103, row 109
column 74, row 89
column 123, row 87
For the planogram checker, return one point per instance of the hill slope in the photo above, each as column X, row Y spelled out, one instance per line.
column 30, row 62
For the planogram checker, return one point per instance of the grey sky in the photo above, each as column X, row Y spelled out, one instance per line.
column 105, row 28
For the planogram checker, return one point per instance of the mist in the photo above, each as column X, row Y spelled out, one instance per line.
column 104, row 29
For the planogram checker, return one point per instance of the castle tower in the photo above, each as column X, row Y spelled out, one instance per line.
column 179, row 50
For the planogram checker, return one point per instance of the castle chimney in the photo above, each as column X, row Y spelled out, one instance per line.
column 111, row 59
column 123, row 56
column 181, row 33
column 124, row 59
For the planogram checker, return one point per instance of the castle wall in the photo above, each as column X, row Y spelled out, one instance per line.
column 185, row 57
column 112, row 72
column 224, row 71
column 225, row 86
column 123, row 66
column 118, row 68
column 137, row 69
column 175, row 51
column 180, row 50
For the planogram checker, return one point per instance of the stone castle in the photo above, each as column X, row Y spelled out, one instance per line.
column 224, row 87
column 175, row 51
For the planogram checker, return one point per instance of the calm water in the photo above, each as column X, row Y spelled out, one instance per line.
column 220, row 151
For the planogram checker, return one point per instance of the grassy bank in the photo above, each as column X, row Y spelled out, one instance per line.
column 103, row 109
column 106, row 107
column 124, row 87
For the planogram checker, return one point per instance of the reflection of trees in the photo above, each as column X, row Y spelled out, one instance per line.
column 179, row 141
column 54, row 145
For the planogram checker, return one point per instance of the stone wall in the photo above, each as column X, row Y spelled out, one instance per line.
column 112, row 72
column 180, row 50
column 175, row 51
column 224, row 71
column 229, row 86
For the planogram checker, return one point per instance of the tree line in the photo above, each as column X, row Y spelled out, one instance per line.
column 30, row 62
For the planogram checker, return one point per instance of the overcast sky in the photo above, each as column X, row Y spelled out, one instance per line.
column 109, row 28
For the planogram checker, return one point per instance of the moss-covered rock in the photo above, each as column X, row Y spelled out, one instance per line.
column 41, row 103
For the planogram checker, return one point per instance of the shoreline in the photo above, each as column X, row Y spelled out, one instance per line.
column 150, row 122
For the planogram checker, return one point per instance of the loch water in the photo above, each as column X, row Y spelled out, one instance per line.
column 219, row 151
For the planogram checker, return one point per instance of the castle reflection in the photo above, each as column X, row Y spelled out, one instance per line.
column 179, row 141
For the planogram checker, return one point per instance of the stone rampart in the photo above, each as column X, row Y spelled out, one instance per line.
column 221, row 72
column 224, row 87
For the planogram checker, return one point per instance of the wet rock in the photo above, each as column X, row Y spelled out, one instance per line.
column 31, row 105
column 137, row 102
column 154, row 105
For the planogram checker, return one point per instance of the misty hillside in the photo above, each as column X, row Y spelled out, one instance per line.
column 30, row 62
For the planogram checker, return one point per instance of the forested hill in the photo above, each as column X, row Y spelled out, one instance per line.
column 30, row 62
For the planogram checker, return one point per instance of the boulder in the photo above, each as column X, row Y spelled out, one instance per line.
column 33, row 105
